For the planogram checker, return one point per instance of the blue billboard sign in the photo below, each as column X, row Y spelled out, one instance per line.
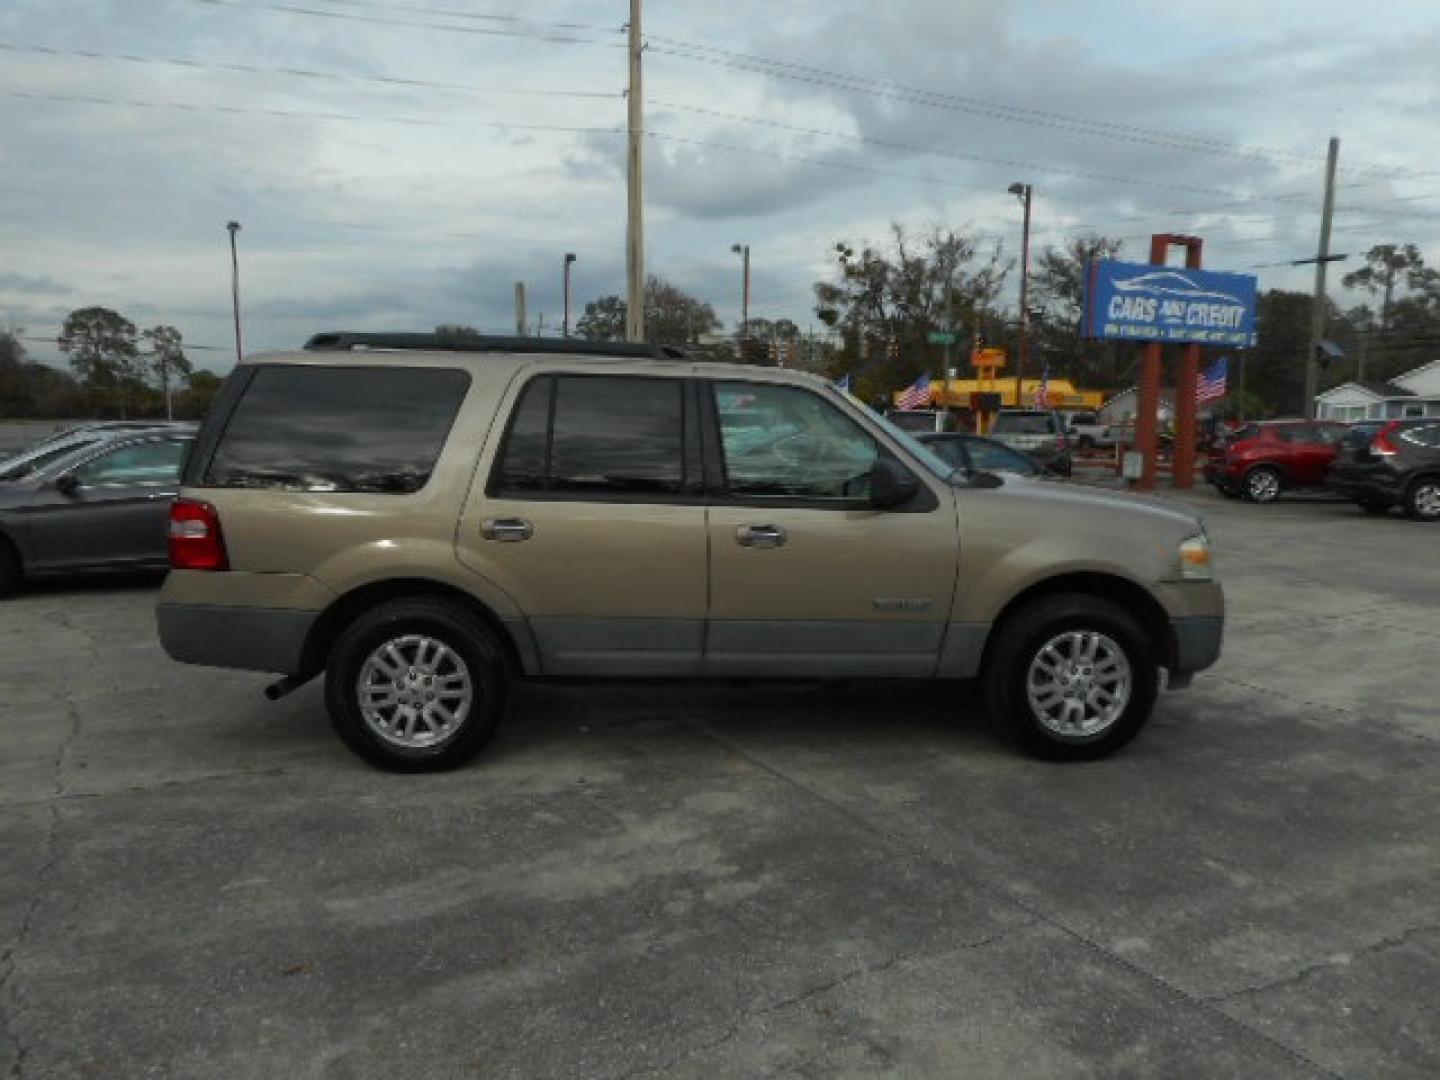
column 1145, row 302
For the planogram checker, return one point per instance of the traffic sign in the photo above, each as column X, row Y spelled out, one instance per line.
column 942, row 337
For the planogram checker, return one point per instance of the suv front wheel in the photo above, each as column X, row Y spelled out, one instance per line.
column 1071, row 677
column 417, row 685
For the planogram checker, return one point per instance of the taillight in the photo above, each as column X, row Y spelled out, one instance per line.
column 1382, row 446
column 196, row 542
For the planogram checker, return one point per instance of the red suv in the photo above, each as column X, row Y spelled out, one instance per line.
column 1259, row 461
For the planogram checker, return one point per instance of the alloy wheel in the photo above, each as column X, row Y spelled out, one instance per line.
column 414, row 691
column 1079, row 683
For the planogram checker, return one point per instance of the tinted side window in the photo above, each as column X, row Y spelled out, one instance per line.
column 996, row 457
column 338, row 429
column 596, row 434
column 523, row 461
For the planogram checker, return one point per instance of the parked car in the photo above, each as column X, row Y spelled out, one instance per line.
column 918, row 420
column 99, row 505
column 975, row 453
column 1391, row 463
column 60, row 444
column 553, row 508
column 1260, row 461
column 1088, row 432
column 1041, row 433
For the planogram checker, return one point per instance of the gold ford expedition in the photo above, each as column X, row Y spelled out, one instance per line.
column 426, row 521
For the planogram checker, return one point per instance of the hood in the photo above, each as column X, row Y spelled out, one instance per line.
column 1069, row 498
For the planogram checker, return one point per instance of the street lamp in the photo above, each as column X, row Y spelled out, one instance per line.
column 565, row 324
column 743, row 250
column 234, row 227
column 1023, row 193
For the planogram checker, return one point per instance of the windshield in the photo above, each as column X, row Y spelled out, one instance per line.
column 1030, row 423
column 917, row 449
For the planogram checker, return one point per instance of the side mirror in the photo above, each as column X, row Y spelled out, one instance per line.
column 891, row 484
column 67, row 484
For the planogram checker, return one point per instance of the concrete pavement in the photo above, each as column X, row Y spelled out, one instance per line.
column 741, row 881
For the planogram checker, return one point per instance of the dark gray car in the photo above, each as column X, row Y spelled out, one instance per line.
column 103, row 505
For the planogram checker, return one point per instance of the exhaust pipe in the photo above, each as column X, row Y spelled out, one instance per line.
column 278, row 689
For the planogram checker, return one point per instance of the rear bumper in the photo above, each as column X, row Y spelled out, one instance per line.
column 253, row 639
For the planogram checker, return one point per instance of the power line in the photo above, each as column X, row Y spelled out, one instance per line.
column 931, row 150
column 295, row 114
column 380, row 20
column 251, row 69
column 997, row 110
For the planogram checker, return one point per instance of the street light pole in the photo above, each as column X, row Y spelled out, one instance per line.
column 1023, row 193
column 234, row 227
column 635, row 186
column 743, row 250
column 565, row 323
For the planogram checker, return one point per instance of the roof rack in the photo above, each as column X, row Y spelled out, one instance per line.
column 344, row 340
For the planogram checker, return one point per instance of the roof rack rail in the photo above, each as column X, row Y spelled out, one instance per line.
column 344, row 340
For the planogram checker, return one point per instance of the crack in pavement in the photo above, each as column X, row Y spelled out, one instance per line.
column 141, row 789
column 1000, row 893
column 1393, row 726
column 786, row 1003
column 1341, row 961
column 10, row 997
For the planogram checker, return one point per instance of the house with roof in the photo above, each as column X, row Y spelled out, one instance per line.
column 1415, row 393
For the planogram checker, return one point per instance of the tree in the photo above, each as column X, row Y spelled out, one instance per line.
column 672, row 316
column 103, row 352
column 200, row 389
column 603, row 320
column 885, row 301
column 457, row 333
column 1387, row 265
column 1057, row 286
column 167, row 359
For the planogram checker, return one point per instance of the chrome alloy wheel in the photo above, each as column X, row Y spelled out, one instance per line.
column 1263, row 485
column 1426, row 499
column 1078, row 684
column 414, row 691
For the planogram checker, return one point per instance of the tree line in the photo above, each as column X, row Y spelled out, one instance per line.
column 117, row 371
column 878, row 306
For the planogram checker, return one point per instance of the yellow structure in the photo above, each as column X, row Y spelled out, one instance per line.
column 1062, row 393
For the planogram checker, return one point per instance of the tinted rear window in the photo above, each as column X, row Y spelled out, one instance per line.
column 338, row 429
column 607, row 435
column 1037, row 423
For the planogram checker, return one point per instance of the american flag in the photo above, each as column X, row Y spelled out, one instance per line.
column 1042, row 392
column 916, row 396
column 1211, row 386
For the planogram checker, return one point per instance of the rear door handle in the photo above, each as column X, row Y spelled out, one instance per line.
column 507, row 530
column 760, row 536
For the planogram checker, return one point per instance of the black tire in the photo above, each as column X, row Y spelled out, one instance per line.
column 1017, row 646
column 1422, row 499
column 1375, row 508
column 1227, row 491
column 9, row 568
column 468, row 638
column 1262, row 484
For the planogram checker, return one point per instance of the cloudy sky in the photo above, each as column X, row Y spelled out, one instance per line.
column 400, row 163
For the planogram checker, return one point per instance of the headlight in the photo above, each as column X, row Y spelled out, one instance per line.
column 1195, row 559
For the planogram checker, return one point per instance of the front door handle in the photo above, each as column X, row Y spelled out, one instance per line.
column 760, row 536
column 507, row 530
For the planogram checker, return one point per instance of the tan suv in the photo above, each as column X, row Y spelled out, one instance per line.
column 426, row 522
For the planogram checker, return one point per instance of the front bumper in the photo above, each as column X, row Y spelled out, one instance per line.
column 1197, row 645
column 253, row 639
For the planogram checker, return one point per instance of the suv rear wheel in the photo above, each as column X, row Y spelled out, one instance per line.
column 417, row 685
column 1261, row 484
column 1422, row 499
column 1071, row 677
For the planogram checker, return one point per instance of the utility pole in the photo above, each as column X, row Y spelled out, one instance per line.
column 520, row 327
column 234, row 227
column 635, row 230
column 1023, row 192
column 565, row 320
column 743, row 250
column 1322, row 261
